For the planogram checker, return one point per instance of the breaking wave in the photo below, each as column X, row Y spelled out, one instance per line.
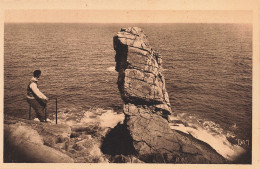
column 111, row 69
column 208, row 132
column 104, row 118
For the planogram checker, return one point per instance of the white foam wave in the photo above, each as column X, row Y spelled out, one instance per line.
column 206, row 131
column 212, row 136
column 104, row 118
column 111, row 69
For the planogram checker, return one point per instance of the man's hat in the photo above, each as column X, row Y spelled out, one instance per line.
column 37, row 73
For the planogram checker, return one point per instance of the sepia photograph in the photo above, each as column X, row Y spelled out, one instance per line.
column 109, row 84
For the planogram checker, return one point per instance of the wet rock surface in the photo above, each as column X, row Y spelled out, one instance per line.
column 146, row 105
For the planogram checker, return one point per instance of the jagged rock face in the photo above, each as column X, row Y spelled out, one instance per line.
column 147, row 106
column 140, row 80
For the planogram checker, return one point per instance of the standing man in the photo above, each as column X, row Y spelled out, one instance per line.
column 35, row 97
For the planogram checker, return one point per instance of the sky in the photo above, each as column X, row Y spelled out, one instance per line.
column 129, row 11
column 128, row 16
column 131, row 4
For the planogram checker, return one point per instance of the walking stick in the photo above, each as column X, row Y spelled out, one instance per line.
column 56, row 110
column 30, row 111
column 45, row 112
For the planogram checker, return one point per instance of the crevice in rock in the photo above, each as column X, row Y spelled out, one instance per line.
column 118, row 141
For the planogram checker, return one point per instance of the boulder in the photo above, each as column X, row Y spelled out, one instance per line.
column 87, row 151
column 24, row 141
column 147, row 106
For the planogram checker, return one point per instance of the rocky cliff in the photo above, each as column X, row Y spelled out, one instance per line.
column 146, row 105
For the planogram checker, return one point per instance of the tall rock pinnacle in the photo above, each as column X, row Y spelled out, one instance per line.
column 140, row 80
column 147, row 106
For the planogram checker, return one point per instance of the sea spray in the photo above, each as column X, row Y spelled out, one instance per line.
column 111, row 69
column 105, row 118
column 208, row 132
column 89, row 127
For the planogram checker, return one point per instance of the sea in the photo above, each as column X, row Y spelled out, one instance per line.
column 207, row 68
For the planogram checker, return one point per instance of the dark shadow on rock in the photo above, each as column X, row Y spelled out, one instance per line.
column 11, row 155
column 118, row 141
column 245, row 158
column 124, row 159
column 117, row 108
column 157, row 158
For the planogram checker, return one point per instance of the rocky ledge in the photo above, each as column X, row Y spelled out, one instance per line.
column 34, row 142
column 86, row 139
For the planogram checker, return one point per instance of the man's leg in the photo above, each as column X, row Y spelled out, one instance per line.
column 38, row 108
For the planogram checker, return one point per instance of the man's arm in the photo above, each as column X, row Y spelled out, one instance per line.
column 37, row 91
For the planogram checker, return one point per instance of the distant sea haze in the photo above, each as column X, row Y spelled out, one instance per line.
column 207, row 67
